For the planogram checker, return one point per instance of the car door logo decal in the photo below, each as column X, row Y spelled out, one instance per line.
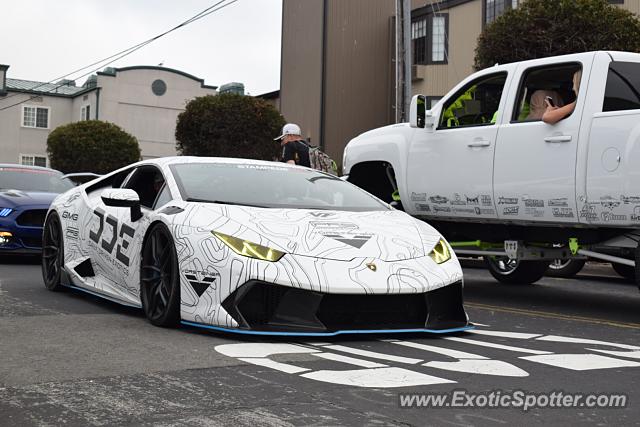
column 123, row 239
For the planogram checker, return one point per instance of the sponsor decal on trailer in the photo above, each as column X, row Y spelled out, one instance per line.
column 511, row 210
column 533, row 203
column 457, row 200
column 464, row 210
column 610, row 216
column 482, row 211
column 486, row 200
column 418, row 197
column 630, row 200
column 441, row 209
column 473, row 200
column 440, row 200
column 563, row 202
column 588, row 212
column 562, row 212
column 423, row 207
column 507, row 200
column 610, row 205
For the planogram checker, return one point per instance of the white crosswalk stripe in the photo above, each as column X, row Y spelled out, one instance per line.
column 497, row 346
column 350, row 360
column 374, row 373
column 373, row 354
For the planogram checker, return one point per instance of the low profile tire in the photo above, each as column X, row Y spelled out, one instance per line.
column 159, row 278
column 565, row 267
column 52, row 253
column 638, row 266
column 514, row 272
column 625, row 271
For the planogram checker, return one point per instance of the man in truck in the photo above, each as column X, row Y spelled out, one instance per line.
column 554, row 114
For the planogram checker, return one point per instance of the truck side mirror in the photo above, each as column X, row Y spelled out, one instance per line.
column 417, row 111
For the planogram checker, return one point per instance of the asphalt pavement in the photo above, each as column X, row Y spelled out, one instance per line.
column 68, row 358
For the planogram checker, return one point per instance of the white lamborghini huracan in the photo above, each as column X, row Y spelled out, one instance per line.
column 253, row 247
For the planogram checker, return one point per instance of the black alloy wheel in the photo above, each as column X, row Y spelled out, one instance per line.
column 159, row 278
column 515, row 272
column 52, row 253
column 625, row 271
column 566, row 268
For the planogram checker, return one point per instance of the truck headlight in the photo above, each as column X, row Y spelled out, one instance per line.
column 249, row 249
column 440, row 252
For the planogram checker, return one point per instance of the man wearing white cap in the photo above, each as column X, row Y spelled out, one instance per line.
column 294, row 149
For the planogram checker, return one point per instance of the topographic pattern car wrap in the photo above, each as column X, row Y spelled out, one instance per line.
column 331, row 259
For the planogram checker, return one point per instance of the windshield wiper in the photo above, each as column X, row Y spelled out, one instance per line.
column 222, row 202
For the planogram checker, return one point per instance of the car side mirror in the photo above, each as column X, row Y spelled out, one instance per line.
column 417, row 111
column 123, row 198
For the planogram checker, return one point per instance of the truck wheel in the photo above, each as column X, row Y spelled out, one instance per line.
column 625, row 271
column 565, row 267
column 515, row 272
column 638, row 266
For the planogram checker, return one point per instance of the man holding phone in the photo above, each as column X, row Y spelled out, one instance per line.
column 540, row 100
column 554, row 114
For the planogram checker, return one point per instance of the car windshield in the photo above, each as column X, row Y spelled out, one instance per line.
column 271, row 186
column 26, row 179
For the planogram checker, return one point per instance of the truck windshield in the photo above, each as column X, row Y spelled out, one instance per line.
column 270, row 185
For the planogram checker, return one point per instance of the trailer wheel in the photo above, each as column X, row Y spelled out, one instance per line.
column 514, row 272
column 565, row 267
column 625, row 271
column 638, row 266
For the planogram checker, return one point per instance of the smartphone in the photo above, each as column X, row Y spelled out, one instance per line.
column 550, row 101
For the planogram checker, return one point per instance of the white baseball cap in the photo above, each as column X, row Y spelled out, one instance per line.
column 289, row 129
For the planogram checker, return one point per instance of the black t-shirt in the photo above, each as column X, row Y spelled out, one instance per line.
column 297, row 151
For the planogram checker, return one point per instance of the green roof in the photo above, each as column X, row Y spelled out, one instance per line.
column 43, row 88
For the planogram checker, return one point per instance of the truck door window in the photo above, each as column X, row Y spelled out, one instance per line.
column 540, row 83
column 476, row 104
column 623, row 87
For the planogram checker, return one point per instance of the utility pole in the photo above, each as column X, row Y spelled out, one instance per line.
column 403, row 59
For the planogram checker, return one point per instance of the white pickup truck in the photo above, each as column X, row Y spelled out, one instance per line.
column 499, row 182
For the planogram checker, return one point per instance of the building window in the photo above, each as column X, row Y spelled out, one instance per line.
column 158, row 87
column 419, row 42
column 438, row 39
column 432, row 100
column 85, row 112
column 33, row 160
column 35, row 117
column 495, row 8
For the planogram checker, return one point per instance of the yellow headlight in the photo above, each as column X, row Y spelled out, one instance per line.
column 249, row 249
column 441, row 252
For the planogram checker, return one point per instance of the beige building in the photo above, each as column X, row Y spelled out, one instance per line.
column 338, row 70
column 143, row 100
